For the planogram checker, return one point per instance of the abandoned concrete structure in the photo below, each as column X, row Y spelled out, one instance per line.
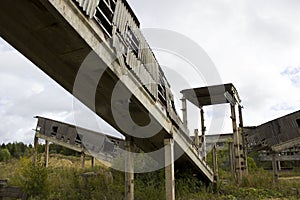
column 278, row 140
column 88, row 143
column 222, row 94
column 58, row 36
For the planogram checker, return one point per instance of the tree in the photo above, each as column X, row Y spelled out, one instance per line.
column 33, row 178
column 4, row 155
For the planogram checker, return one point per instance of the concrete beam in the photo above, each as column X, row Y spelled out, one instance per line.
column 169, row 169
column 76, row 148
column 281, row 158
column 286, row 145
column 202, row 166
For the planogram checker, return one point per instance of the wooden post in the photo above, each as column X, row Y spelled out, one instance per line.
column 93, row 161
column 184, row 112
column 203, row 141
column 169, row 169
column 129, row 170
column 82, row 159
column 46, row 153
column 35, row 145
column 275, row 169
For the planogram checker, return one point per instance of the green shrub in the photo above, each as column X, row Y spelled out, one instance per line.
column 251, row 164
column 4, row 155
column 33, row 178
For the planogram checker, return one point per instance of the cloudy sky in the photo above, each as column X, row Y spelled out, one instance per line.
column 253, row 44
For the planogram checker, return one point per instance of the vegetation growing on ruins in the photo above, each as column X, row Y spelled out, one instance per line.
column 64, row 179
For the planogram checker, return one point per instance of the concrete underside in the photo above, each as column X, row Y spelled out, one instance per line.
column 59, row 44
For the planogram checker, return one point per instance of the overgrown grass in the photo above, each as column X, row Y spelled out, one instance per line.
column 64, row 182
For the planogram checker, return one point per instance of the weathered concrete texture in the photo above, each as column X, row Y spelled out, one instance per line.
column 129, row 170
column 220, row 94
column 57, row 37
column 169, row 169
column 184, row 112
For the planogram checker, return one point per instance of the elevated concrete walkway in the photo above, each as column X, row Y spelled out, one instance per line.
column 57, row 37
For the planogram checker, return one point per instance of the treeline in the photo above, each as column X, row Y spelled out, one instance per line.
column 14, row 150
column 19, row 149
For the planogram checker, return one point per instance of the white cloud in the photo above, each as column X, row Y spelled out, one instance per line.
column 251, row 42
column 293, row 73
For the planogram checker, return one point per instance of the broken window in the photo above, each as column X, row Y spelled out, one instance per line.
column 54, row 130
column 104, row 15
column 298, row 122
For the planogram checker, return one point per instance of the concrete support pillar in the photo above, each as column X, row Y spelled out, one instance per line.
column 237, row 145
column 93, row 161
column 169, row 169
column 275, row 167
column 231, row 158
column 215, row 163
column 197, row 141
column 243, row 139
column 184, row 112
column 279, row 165
column 129, row 170
column 46, row 153
column 203, row 140
column 35, row 145
column 241, row 121
column 82, row 159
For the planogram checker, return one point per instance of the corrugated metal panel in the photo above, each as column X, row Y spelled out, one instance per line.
column 275, row 132
column 89, row 6
column 141, row 61
column 123, row 18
